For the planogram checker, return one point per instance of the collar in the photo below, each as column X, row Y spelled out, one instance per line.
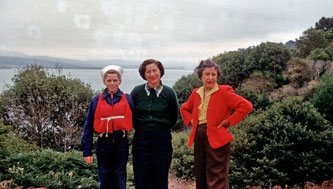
column 201, row 90
column 157, row 89
column 119, row 93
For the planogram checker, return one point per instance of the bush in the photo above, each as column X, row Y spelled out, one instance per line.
column 185, row 85
column 323, row 97
column 182, row 165
column 298, row 72
column 259, row 101
column 50, row 169
column 319, row 54
column 256, row 90
column 329, row 51
column 48, row 109
column 311, row 40
column 237, row 66
column 10, row 144
column 290, row 143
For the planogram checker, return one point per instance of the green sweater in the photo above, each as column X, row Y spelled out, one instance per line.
column 154, row 113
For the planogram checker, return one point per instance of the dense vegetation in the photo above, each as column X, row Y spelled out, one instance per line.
column 46, row 108
column 287, row 139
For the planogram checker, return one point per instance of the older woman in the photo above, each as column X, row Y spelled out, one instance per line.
column 110, row 116
column 208, row 110
column 156, row 111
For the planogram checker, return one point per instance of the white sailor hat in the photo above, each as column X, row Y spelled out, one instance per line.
column 112, row 67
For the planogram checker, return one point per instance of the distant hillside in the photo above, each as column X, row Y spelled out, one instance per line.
column 291, row 44
column 16, row 62
column 11, row 61
column 51, row 62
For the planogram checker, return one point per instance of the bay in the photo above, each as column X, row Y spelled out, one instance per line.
column 130, row 79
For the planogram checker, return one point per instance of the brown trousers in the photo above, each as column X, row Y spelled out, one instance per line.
column 211, row 165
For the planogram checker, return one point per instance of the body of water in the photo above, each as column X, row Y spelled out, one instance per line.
column 130, row 79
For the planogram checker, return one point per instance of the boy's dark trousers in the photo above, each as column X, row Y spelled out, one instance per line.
column 112, row 156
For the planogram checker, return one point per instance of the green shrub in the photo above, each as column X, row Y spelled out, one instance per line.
column 50, row 169
column 259, row 101
column 323, row 97
column 185, row 85
column 329, row 51
column 319, row 54
column 298, row 72
column 46, row 108
column 256, row 89
column 182, row 165
column 289, row 143
column 11, row 144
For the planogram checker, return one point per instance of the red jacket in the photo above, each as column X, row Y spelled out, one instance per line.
column 220, row 105
column 112, row 118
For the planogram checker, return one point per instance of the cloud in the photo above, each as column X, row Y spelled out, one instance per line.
column 170, row 30
column 82, row 21
column 34, row 32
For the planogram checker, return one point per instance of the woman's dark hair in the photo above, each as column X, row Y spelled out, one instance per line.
column 142, row 68
column 207, row 64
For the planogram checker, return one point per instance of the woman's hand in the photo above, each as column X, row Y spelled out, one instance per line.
column 88, row 159
column 225, row 123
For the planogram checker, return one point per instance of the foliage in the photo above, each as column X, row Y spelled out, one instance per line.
column 319, row 54
column 310, row 40
column 182, row 165
column 323, row 97
column 289, row 143
column 46, row 108
column 50, row 169
column 11, row 144
column 256, row 90
column 185, row 85
column 232, row 67
column 325, row 24
column 259, row 101
column 329, row 51
column 268, row 58
column 298, row 72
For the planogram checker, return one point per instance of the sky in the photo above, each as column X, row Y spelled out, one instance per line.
column 172, row 31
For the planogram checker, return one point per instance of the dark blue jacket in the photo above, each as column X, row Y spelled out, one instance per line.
column 88, row 130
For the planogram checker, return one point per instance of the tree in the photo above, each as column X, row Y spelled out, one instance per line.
column 318, row 54
column 310, row 40
column 289, row 143
column 46, row 108
column 185, row 85
column 298, row 72
column 329, row 51
column 256, row 89
column 322, row 98
column 268, row 57
column 325, row 24
column 232, row 67
column 11, row 144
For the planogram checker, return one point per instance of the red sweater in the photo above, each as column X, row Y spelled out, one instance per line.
column 220, row 105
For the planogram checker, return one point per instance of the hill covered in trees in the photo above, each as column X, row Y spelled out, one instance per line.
column 288, row 137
